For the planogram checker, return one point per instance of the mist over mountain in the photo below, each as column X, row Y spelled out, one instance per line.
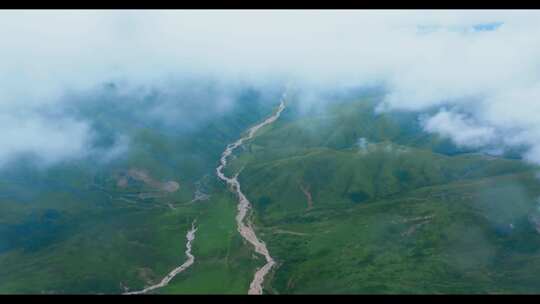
column 269, row 152
column 476, row 63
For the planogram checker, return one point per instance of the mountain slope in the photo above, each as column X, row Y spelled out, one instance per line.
column 388, row 215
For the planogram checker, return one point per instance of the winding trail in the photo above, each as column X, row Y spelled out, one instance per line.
column 246, row 229
column 190, row 236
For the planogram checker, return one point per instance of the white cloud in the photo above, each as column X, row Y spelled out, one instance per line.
column 48, row 140
column 492, row 76
column 464, row 131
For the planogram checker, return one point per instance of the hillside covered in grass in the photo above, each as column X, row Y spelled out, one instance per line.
column 347, row 200
column 351, row 201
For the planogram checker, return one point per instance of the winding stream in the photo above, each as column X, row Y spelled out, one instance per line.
column 190, row 236
column 246, row 229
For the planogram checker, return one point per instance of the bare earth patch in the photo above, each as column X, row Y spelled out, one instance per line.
column 421, row 221
column 122, row 182
column 143, row 176
column 282, row 231
column 170, row 186
column 308, row 196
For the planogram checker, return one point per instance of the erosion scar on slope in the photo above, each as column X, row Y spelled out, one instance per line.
column 308, row 196
column 246, row 229
column 190, row 236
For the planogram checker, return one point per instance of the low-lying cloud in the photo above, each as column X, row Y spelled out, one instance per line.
column 478, row 69
column 465, row 132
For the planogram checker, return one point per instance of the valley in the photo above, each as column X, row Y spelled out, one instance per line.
column 244, row 205
column 336, row 199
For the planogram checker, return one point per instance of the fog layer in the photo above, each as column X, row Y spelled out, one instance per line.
column 478, row 69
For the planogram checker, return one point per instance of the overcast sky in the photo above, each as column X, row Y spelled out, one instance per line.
column 480, row 68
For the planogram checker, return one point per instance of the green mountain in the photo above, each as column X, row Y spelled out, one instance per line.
column 346, row 199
